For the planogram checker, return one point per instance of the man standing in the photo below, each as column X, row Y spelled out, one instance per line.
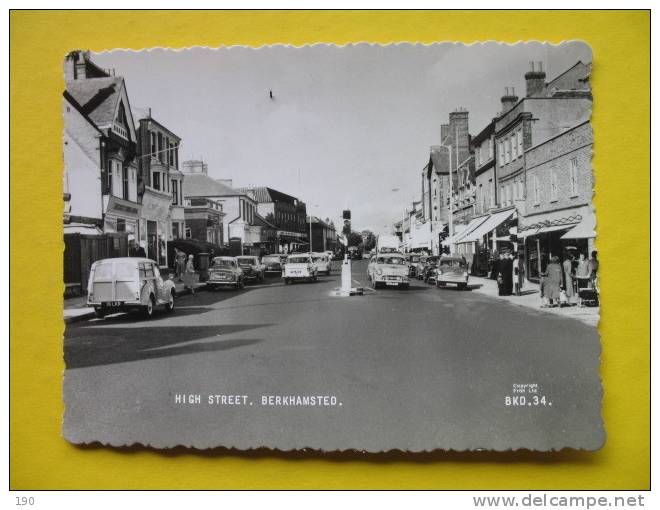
column 180, row 259
column 140, row 252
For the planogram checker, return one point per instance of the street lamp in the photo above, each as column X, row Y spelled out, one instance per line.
column 310, row 229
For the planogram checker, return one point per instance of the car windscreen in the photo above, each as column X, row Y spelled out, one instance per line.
column 222, row 263
column 387, row 250
column 414, row 259
column 391, row 260
column 298, row 260
column 451, row 263
column 271, row 258
column 246, row 260
column 319, row 259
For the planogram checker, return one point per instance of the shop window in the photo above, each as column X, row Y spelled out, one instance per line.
column 574, row 177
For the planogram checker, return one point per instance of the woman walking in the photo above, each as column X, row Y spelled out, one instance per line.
column 552, row 284
column 189, row 275
column 582, row 275
column 568, row 278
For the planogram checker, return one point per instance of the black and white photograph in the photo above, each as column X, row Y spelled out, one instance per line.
column 332, row 248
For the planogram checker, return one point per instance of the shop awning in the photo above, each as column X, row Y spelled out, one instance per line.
column 458, row 238
column 492, row 222
column 545, row 229
column 586, row 229
column 82, row 228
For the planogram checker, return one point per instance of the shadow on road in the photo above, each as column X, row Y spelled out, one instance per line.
column 93, row 346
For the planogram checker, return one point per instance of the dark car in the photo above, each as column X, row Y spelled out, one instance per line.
column 274, row 263
column 430, row 264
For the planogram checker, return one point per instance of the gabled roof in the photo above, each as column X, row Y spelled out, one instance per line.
column 260, row 220
column 263, row 194
column 200, row 185
column 99, row 100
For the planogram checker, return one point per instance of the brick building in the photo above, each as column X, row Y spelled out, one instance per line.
column 204, row 220
column 559, row 196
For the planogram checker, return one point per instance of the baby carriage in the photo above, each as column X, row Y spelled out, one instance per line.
column 589, row 293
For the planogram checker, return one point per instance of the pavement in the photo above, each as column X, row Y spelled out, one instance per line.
column 295, row 367
column 531, row 298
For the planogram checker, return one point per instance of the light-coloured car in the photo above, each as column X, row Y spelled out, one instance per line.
column 225, row 272
column 273, row 263
column 252, row 268
column 322, row 262
column 299, row 267
column 128, row 283
column 389, row 269
column 452, row 272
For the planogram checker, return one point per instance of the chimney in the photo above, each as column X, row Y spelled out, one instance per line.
column 509, row 99
column 459, row 135
column 535, row 79
column 74, row 66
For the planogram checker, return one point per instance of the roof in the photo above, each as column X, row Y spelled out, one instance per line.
column 97, row 97
column 260, row 220
column 263, row 194
column 200, row 185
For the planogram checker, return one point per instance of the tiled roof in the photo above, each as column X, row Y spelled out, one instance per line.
column 200, row 185
column 97, row 97
column 263, row 194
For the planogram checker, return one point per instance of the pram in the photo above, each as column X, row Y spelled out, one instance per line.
column 588, row 292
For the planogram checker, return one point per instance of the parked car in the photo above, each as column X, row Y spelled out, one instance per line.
column 429, row 265
column 225, row 272
column 299, row 267
column 389, row 269
column 413, row 259
column 322, row 262
column 126, row 284
column 273, row 263
column 452, row 272
column 252, row 268
column 354, row 252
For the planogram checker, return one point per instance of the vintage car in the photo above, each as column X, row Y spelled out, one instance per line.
column 299, row 267
column 452, row 272
column 322, row 262
column 253, row 269
column 430, row 265
column 273, row 263
column 126, row 284
column 225, row 272
column 389, row 269
column 413, row 259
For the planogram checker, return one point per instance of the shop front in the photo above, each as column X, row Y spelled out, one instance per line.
column 291, row 242
column 156, row 224
column 122, row 216
column 557, row 234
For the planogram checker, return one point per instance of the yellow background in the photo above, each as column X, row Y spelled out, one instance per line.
column 40, row 458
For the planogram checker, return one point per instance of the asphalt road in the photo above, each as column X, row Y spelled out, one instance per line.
column 418, row 369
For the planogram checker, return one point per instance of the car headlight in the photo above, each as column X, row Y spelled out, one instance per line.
column 379, row 271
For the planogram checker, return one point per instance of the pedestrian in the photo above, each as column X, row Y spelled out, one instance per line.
column 593, row 267
column 180, row 260
column 494, row 263
column 582, row 275
column 568, row 278
column 542, row 289
column 519, row 270
column 500, row 276
column 189, row 275
column 506, row 270
column 140, row 252
column 553, row 281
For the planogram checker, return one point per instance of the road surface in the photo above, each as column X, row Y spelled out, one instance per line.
column 296, row 366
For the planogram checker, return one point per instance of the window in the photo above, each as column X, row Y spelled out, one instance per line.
column 175, row 192
column 514, row 149
column 121, row 225
column 491, row 191
column 160, row 147
column 521, row 189
column 519, row 138
column 156, row 180
column 500, row 155
column 537, row 190
column 514, row 185
column 574, row 177
column 111, row 169
column 490, row 148
column 188, row 233
column 175, row 230
column 153, row 144
column 124, row 179
column 553, row 186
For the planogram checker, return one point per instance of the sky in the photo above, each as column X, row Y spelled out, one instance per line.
column 347, row 126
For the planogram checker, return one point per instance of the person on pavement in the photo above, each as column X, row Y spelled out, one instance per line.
column 519, row 271
column 553, row 281
column 189, row 275
column 180, row 260
column 593, row 267
column 506, row 272
column 140, row 252
column 582, row 275
column 568, row 278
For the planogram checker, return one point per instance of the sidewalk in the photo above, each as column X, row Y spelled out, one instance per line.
column 531, row 298
column 76, row 309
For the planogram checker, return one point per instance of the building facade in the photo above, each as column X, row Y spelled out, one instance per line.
column 324, row 237
column 203, row 220
column 160, row 188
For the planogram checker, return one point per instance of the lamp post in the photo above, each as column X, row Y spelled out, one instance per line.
column 310, row 228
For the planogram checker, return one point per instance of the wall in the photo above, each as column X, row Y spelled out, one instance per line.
column 555, row 155
column 82, row 171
